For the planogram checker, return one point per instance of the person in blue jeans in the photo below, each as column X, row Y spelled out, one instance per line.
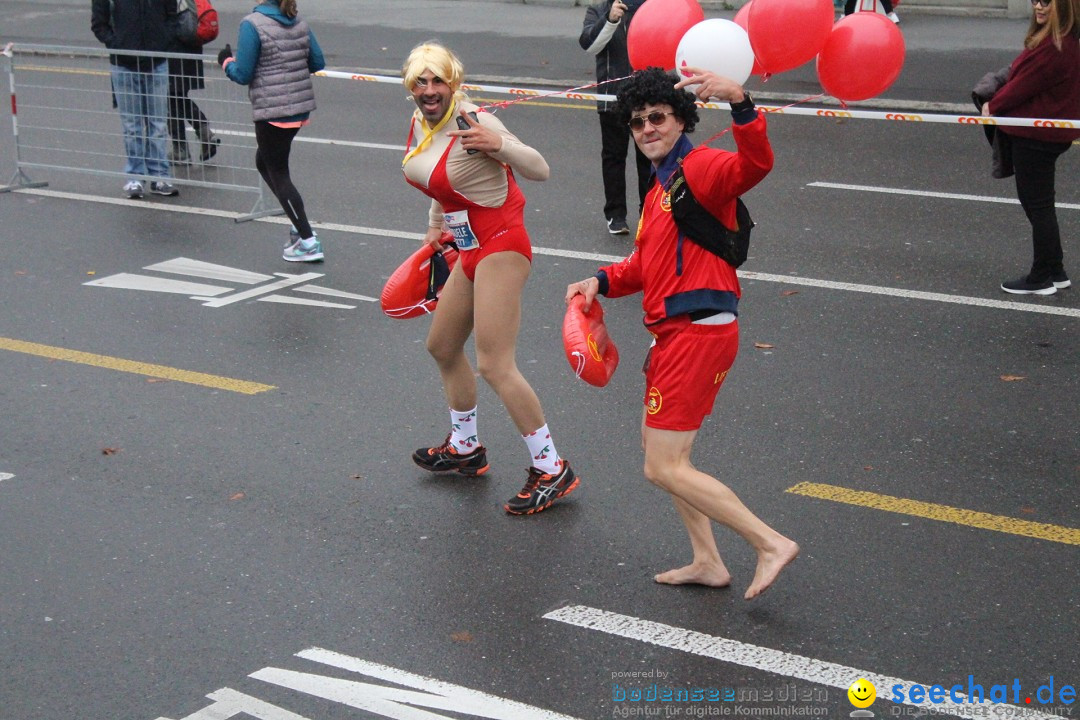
column 140, row 86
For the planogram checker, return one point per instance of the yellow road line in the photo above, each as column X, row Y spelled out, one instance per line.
column 131, row 366
column 944, row 513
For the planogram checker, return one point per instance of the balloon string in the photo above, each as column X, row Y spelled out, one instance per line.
column 779, row 109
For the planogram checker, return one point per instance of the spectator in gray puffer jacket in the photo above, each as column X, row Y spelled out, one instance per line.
column 276, row 53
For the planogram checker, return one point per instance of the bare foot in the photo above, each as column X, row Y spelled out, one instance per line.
column 708, row 574
column 770, row 563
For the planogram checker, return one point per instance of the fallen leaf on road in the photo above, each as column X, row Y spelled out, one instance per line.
column 789, row 292
column 109, row 451
column 237, row 496
column 463, row 636
column 1012, row 378
column 763, row 346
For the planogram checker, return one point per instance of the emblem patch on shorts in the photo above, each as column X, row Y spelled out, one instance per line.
column 653, row 401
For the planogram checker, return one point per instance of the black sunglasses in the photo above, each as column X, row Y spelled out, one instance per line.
column 1044, row 3
column 656, row 118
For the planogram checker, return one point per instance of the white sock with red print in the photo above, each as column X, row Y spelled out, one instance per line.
column 542, row 449
column 463, row 433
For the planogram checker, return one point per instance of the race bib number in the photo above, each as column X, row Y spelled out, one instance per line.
column 458, row 223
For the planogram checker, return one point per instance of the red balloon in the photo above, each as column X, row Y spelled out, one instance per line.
column 656, row 29
column 742, row 20
column 787, row 33
column 862, row 57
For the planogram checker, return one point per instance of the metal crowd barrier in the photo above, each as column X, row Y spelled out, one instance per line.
column 64, row 119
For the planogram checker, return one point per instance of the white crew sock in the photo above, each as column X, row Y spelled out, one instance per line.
column 463, row 433
column 542, row 449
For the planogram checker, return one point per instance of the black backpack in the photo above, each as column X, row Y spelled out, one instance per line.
column 701, row 227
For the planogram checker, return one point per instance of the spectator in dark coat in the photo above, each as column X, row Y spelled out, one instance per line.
column 185, row 75
column 140, row 85
column 603, row 34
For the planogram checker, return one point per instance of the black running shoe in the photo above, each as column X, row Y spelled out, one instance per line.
column 446, row 459
column 1024, row 286
column 542, row 490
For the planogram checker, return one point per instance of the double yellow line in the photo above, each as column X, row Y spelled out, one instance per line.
column 131, row 366
column 943, row 513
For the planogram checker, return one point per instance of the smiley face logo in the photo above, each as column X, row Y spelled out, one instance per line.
column 862, row 693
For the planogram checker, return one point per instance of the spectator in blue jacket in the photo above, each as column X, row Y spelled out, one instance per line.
column 276, row 53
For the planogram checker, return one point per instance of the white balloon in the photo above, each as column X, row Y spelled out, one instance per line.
column 717, row 45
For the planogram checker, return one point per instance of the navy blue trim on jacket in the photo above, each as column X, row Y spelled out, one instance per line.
column 692, row 301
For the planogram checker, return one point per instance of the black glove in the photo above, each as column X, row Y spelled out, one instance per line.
column 224, row 54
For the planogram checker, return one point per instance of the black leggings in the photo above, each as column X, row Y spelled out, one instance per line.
column 272, row 161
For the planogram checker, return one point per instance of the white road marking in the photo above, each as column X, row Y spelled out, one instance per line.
column 286, row 300
column 229, row 703
column 930, row 194
column 394, row 702
column 334, row 293
column 913, row 294
column 1032, row 307
column 130, row 281
column 286, row 281
column 210, row 271
column 767, row 659
column 210, row 295
column 6, row 476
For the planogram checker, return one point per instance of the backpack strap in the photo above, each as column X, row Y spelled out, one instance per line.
column 703, row 228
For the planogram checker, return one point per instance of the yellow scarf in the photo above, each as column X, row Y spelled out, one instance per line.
column 430, row 132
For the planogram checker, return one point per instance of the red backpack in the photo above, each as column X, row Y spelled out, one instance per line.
column 198, row 22
column 208, row 21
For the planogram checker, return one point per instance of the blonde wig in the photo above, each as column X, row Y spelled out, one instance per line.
column 440, row 60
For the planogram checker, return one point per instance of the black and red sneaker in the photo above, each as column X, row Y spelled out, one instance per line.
column 445, row 458
column 542, row 490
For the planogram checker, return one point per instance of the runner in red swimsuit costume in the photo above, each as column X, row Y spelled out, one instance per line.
column 469, row 174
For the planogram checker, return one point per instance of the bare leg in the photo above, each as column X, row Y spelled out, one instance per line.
column 500, row 279
column 450, row 328
column 667, row 464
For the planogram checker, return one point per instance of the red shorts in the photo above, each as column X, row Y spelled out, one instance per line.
column 685, row 370
column 513, row 239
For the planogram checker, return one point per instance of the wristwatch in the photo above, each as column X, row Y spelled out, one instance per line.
column 747, row 103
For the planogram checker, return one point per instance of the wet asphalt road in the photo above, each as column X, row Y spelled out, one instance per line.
column 223, row 533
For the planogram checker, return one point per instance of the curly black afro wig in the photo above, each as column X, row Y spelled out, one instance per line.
column 653, row 86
